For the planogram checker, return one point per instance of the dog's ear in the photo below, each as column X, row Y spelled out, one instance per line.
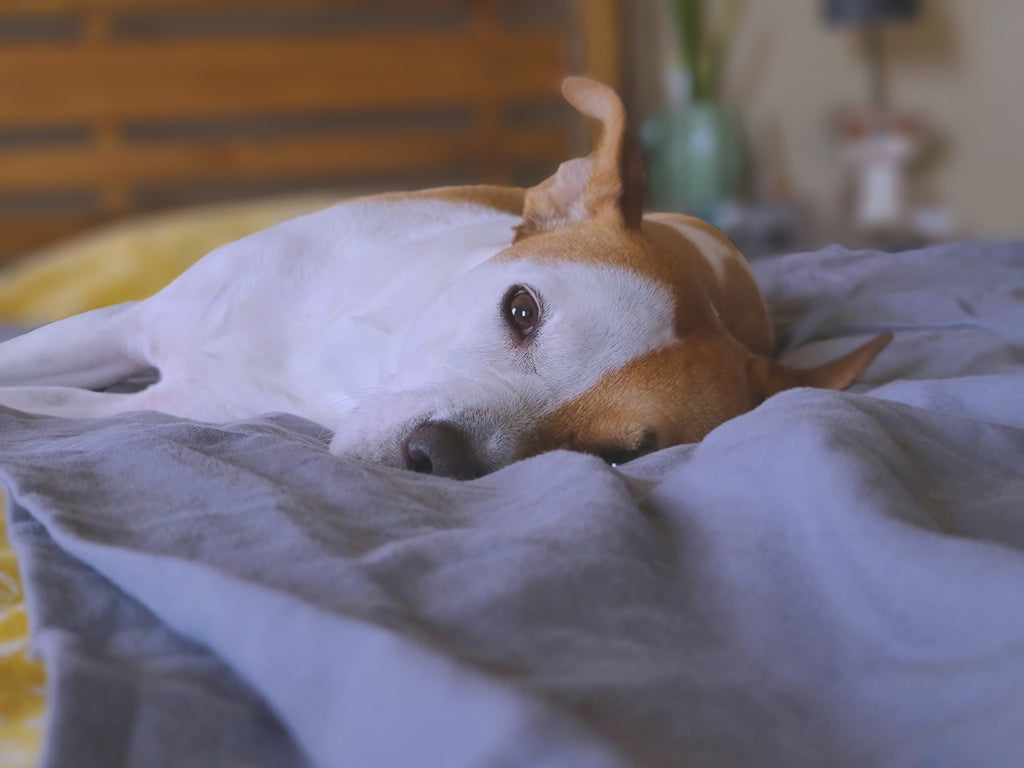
column 767, row 377
column 609, row 182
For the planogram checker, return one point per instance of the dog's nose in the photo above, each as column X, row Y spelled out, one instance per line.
column 440, row 448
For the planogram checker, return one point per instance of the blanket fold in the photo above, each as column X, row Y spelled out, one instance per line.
column 831, row 579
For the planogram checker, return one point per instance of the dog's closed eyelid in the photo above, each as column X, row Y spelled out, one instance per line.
column 648, row 443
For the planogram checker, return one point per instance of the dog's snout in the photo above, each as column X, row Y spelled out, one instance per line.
column 440, row 448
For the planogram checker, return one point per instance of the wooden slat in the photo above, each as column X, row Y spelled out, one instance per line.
column 470, row 60
column 165, row 79
column 232, row 159
column 49, row 6
column 18, row 235
column 600, row 22
column 484, row 28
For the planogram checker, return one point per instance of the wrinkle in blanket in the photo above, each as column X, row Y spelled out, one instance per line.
column 831, row 579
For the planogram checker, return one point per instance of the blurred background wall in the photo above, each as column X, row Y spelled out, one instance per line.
column 958, row 64
column 114, row 108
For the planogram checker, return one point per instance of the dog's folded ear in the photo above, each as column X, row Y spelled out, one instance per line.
column 609, row 182
column 767, row 377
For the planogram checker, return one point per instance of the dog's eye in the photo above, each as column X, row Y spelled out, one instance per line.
column 521, row 310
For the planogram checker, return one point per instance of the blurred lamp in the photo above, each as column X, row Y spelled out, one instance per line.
column 869, row 15
column 869, row 11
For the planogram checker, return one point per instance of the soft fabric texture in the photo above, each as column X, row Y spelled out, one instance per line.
column 21, row 676
column 832, row 579
column 123, row 261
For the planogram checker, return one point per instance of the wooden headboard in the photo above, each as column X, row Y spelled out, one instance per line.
column 109, row 107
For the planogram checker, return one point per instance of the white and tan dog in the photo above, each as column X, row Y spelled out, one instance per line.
column 450, row 331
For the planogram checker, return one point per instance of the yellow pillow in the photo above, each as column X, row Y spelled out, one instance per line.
column 21, row 677
column 132, row 259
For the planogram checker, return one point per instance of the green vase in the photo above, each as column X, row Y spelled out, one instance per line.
column 694, row 158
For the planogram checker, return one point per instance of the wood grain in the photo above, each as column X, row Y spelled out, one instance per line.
column 211, row 77
column 400, row 57
column 252, row 158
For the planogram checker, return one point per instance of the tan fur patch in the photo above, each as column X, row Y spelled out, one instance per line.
column 596, row 242
column 715, row 261
column 677, row 394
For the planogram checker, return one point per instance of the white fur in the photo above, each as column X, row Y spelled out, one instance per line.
column 370, row 318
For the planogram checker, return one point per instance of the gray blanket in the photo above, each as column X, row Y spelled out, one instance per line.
column 833, row 579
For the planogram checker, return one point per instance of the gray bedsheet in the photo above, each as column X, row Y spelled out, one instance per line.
column 833, row 579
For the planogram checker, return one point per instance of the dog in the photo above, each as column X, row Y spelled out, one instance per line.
column 449, row 331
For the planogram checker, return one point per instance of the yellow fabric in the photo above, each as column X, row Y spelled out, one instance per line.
column 125, row 261
column 21, row 677
column 132, row 260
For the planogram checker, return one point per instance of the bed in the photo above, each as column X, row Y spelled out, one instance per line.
column 831, row 579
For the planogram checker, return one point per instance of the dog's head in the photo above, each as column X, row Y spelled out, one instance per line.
column 582, row 334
